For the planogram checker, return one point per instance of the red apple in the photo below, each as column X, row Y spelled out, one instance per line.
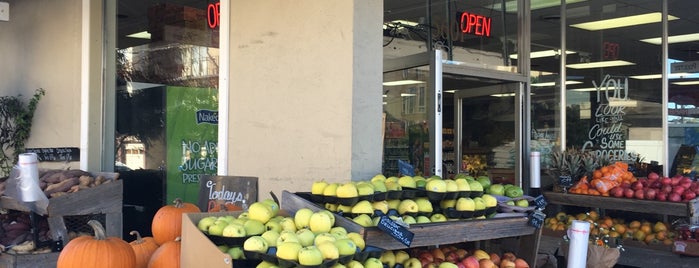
column 656, row 184
column 427, row 256
column 628, row 193
column 461, row 253
column 675, row 180
column 651, row 193
column 653, row 176
column 661, row 196
column 625, row 185
column 674, row 197
column 505, row 263
column 521, row 263
column 495, row 258
column 666, row 189
column 665, row 181
column 452, row 257
column 688, row 195
column 509, row 256
column 637, row 185
column 617, row 192
column 470, row 262
column 678, row 189
column 639, row 194
column 685, row 182
column 460, row 265
column 437, row 253
column 486, row 263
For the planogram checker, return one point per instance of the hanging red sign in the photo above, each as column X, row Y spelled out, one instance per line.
column 475, row 24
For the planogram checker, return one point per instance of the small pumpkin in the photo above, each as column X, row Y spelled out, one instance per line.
column 167, row 255
column 167, row 221
column 143, row 247
column 97, row 251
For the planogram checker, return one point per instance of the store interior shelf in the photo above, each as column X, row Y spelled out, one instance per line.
column 626, row 204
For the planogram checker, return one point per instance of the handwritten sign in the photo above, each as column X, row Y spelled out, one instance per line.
column 565, row 181
column 607, row 135
column 540, row 202
column 229, row 193
column 537, row 218
column 395, row 230
column 59, row 154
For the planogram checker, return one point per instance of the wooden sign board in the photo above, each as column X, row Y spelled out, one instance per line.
column 226, row 193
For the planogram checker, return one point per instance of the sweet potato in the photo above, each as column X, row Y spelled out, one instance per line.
column 76, row 173
column 48, row 173
column 61, row 186
column 85, row 180
column 55, row 177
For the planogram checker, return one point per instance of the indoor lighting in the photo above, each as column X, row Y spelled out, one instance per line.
column 673, row 39
column 658, row 76
column 402, row 83
column 511, row 6
column 503, row 95
column 543, row 54
column 599, row 64
column 586, row 89
column 686, row 83
column 623, row 21
column 407, row 95
column 140, row 35
column 614, row 102
column 550, row 84
column 452, row 91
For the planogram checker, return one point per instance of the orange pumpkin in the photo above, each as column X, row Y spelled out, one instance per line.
column 143, row 247
column 167, row 255
column 97, row 251
column 167, row 222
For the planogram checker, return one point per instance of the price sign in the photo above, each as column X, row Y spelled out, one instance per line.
column 398, row 232
column 565, row 181
column 60, row 154
column 537, row 218
column 540, row 202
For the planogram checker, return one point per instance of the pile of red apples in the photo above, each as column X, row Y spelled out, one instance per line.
column 676, row 189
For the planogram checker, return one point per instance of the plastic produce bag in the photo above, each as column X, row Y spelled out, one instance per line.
column 23, row 184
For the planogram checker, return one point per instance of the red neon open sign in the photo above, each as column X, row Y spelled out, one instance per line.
column 475, row 24
column 213, row 15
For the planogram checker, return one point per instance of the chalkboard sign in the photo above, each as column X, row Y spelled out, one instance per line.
column 537, row 218
column 226, row 193
column 395, row 230
column 58, row 154
column 565, row 181
column 540, row 202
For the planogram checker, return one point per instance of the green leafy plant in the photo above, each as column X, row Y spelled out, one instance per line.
column 15, row 126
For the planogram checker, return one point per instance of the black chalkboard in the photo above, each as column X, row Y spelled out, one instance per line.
column 565, row 181
column 395, row 230
column 57, row 154
column 231, row 193
column 540, row 202
column 537, row 218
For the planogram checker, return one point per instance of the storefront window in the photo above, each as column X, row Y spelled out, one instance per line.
column 166, row 93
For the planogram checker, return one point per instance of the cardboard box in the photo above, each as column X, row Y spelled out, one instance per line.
column 197, row 250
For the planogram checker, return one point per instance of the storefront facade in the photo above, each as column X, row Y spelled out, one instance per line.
column 294, row 90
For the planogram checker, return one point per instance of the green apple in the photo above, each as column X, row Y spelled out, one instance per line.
column 234, row 230
column 447, row 264
column 490, row 201
column 393, row 186
column 408, row 219
column 436, row 185
column 347, row 190
column 380, row 206
column 522, row 203
column 407, row 206
column 324, row 237
column 451, row 186
column 328, row 250
column 497, row 189
column 357, row 239
column 305, row 236
column 388, row 258
column 364, row 220
column 372, row 262
column 423, row 204
column 462, row 184
column 260, row 211
column 412, row 262
column 223, row 248
column 287, row 236
column 365, row 188
column 288, row 224
column 514, row 191
column 272, row 205
column 438, row 217
column 401, row 256
column 422, row 219
column 217, row 228
column 379, row 186
column 354, row 264
column 302, row 218
column 331, row 189
column 266, row 264
column 205, row 222
column 447, row 203
column 480, row 203
column 378, row 177
column 289, row 251
column 339, row 231
column 465, row 204
column 510, row 203
column 475, row 186
column 254, row 227
column 245, row 215
column 363, row 207
column 318, row 186
column 321, row 222
column 256, row 243
column 484, row 181
column 393, row 203
column 331, row 207
column 236, row 253
column 392, row 179
column 407, row 181
column 273, row 225
column 346, row 246
column 271, row 237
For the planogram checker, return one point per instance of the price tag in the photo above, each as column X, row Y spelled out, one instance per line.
column 395, row 230
column 540, row 202
column 537, row 218
column 565, row 181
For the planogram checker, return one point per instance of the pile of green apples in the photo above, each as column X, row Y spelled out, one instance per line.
column 509, row 190
column 306, row 238
column 421, row 200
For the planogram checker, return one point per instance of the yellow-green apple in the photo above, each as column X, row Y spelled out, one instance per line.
column 364, row 220
column 475, row 186
column 451, row 186
column 490, row 201
column 344, row 208
column 522, row 203
column 423, row 204
column 256, row 243
column 392, row 179
column 347, row 189
column 447, row 264
column 272, row 205
column 480, row 204
column 393, row 203
column 408, row 219
column 331, row 207
column 321, row 222
column 288, row 251
column 287, row 236
column 318, row 186
column 412, row 262
column 236, row 253
column 331, row 189
column 310, row 256
column 271, row 237
column 233, row 230
column 346, row 246
column 305, row 237
column 438, row 217
column 328, row 250
column 354, row 264
column 302, row 218
column 393, row 186
column 338, row 231
column 357, row 239
column 365, row 188
column 379, row 177
column 205, row 222
column 388, row 258
column 260, row 211
column 422, row 219
column 436, row 185
column 401, row 256
column 497, row 189
column 379, row 186
column 465, row 204
column 462, row 184
column 273, row 225
column 380, row 206
column 372, row 262
column 447, row 203
column 217, row 227
column 407, row 181
column 254, row 227
column 288, row 224
column 363, row 207
column 407, row 206
column 324, row 237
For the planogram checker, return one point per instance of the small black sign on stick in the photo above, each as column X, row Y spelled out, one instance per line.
column 395, row 230
column 537, row 218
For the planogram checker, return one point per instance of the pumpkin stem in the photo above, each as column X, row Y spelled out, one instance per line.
column 98, row 228
column 139, row 239
column 178, row 202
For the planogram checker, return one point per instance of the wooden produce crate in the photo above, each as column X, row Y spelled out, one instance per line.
column 626, row 204
column 104, row 199
column 28, row 260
